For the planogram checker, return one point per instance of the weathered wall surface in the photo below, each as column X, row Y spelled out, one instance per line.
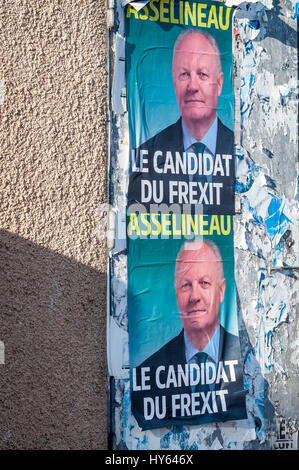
column 53, row 268
column 266, row 240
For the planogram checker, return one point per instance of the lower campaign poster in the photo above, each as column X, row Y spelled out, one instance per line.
column 183, row 330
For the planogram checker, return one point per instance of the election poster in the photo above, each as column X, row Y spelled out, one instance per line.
column 180, row 106
column 185, row 364
column 183, row 330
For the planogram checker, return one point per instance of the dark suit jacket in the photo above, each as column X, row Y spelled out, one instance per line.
column 173, row 353
column 171, row 139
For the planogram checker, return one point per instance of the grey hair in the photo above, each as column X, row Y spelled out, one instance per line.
column 208, row 36
column 189, row 245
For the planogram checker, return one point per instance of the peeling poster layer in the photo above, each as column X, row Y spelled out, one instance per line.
column 266, row 239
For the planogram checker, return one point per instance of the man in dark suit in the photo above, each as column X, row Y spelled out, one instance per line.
column 197, row 376
column 198, row 81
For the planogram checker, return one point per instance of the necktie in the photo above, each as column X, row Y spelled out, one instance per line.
column 201, row 358
column 199, row 149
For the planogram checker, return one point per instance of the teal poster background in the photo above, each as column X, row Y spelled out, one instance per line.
column 153, row 313
column 159, row 346
column 152, row 104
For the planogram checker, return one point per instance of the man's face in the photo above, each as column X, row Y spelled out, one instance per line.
column 199, row 291
column 197, row 79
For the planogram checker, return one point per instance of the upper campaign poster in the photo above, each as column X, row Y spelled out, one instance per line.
column 180, row 107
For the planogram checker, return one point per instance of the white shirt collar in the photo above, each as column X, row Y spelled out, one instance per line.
column 211, row 349
column 209, row 139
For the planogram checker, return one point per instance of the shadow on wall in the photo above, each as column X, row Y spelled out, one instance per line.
column 273, row 25
column 259, row 406
column 53, row 382
column 278, row 29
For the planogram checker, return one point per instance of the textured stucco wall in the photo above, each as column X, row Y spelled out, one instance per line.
column 53, row 177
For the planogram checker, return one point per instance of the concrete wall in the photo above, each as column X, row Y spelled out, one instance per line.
column 53, row 177
column 265, row 241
